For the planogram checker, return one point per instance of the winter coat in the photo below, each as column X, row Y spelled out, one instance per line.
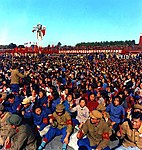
column 22, row 138
column 4, row 127
column 15, row 76
column 41, row 121
column 117, row 113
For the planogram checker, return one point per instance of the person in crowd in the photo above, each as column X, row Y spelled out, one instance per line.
column 136, row 108
column 20, row 136
column 12, row 103
column 131, row 132
column 105, row 115
column 41, row 120
column 33, row 97
column 55, row 99
column 116, row 112
column 42, row 99
column 82, row 112
column 92, row 103
column 100, row 98
column 97, row 133
column 4, row 127
column 15, row 77
column 69, row 103
column 25, row 110
column 63, row 127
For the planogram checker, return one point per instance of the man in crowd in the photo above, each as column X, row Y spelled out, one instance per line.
column 15, row 77
column 20, row 136
column 131, row 132
column 64, row 127
column 4, row 127
column 12, row 103
column 97, row 133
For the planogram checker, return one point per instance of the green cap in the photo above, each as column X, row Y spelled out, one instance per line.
column 14, row 120
column 95, row 114
column 60, row 108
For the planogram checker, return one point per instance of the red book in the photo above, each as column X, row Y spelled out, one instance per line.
column 8, row 145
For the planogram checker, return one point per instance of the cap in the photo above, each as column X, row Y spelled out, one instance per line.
column 95, row 114
column 1, row 107
column 26, row 101
column 138, row 106
column 14, row 120
column 60, row 108
column 101, row 107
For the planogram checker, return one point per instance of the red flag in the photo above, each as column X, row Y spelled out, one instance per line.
column 43, row 31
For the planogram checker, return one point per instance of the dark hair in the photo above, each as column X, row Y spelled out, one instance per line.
column 77, row 94
column 15, row 65
column 137, row 115
column 120, row 100
column 62, row 87
column 10, row 96
column 35, row 107
column 90, row 95
column 70, row 94
column 43, row 91
column 83, row 98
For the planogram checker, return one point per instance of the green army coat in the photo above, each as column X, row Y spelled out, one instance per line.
column 22, row 138
column 95, row 133
column 15, row 76
column 63, row 121
column 4, row 127
column 132, row 137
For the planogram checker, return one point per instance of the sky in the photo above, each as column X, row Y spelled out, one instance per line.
column 70, row 21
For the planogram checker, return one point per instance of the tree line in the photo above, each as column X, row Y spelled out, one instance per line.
column 102, row 43
column 108, row 43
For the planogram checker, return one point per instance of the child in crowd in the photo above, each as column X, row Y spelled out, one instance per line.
column 64, row 127
column 69, row 103
column 41, row 120
column 100, row 98
column 42, row 99
column 92, row 103
column 82, row 112
column 116, row 112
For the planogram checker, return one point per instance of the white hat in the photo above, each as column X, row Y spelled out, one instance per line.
column 26, row 101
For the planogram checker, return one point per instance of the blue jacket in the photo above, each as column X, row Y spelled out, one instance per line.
column 117, row 113
column 28, row 111
column 12, row 107
column 67, row 106
column 55, row 102
column 39, row 119
column 42, row 101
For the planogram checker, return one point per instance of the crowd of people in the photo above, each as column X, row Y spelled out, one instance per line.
column 98, row 96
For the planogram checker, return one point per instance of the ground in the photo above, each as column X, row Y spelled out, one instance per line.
column 56, row 144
